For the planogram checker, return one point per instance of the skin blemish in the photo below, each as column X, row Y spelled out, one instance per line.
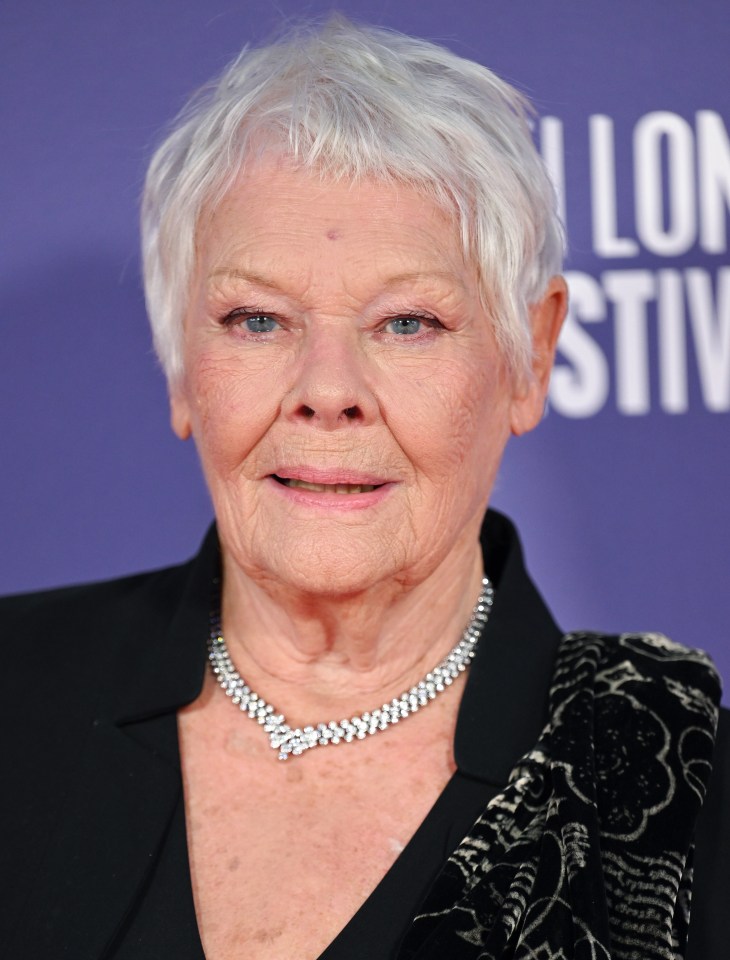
column 266, row 936
column 333, row 234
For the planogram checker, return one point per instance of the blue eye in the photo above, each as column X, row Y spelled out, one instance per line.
column 404, row 325
column 261, row 323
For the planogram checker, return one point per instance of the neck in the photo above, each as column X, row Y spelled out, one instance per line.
column 316, row 657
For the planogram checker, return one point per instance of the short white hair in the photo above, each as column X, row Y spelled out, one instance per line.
column 362, row 102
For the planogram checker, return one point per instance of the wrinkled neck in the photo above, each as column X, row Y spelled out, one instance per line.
column 344, row 654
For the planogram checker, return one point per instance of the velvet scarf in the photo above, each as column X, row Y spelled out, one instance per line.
column 587, row 853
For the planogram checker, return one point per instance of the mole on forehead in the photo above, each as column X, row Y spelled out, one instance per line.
column 333, row 234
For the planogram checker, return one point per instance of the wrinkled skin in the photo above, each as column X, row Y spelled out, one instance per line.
column 297, row 364
column 300, row 361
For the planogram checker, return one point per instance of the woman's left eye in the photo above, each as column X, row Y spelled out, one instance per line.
column 405, row 325
column 260, row 323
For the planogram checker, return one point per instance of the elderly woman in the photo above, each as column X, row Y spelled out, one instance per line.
column 349, row 728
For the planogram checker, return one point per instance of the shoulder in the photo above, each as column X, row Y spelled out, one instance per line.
column 36, row 609
column 64, row 647
column 84, row 612
column 642, row 664
column 116, row 648
column 643, row 689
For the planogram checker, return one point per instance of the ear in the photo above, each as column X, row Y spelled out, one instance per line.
column 180, row 412
column 546, row 320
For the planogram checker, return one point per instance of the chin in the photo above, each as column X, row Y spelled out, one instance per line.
column 335, row 566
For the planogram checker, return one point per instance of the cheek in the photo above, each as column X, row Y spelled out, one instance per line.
column 232, row 407
column 454, row 420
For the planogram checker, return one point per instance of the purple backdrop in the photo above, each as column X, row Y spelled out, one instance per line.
column 621, row 495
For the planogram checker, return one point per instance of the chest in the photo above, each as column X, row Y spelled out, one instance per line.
column 283, row 854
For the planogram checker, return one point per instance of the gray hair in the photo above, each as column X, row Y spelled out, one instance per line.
column 353, row 102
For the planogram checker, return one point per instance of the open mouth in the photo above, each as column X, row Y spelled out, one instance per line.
column 341, row 488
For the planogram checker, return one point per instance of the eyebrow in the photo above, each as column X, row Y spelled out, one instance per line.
column 255, row 279
column 258, row 280
column 419, row 275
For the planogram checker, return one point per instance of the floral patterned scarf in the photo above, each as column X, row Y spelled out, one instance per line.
column 587, row 853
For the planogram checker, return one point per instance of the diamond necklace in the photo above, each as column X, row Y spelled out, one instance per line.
column 293, row 742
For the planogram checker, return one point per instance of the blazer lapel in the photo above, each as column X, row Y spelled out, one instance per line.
column 107, row 840
column 127, row 785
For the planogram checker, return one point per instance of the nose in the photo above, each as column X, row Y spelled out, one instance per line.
column 331, row 387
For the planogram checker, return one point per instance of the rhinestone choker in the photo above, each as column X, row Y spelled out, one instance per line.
column 293, row 742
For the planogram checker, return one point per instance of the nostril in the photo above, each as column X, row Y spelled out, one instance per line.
column 315, row 413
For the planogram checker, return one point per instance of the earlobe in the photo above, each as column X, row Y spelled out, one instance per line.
column 180, row 415
column 546, row 319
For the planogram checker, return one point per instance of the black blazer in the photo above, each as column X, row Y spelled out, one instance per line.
column 94, row 677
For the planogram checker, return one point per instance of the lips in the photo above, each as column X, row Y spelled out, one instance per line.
column 344, row 488
column 339, row 488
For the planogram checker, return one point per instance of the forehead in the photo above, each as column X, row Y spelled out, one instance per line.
column 276, row 214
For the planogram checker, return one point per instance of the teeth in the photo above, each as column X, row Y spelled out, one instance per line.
column 331, row 487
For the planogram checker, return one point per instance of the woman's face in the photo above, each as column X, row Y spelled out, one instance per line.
column 343, row 385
